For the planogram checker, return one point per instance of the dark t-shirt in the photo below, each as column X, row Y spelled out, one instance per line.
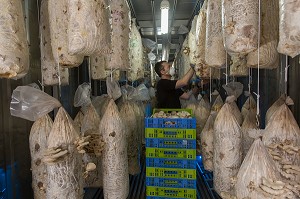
column 167, row 96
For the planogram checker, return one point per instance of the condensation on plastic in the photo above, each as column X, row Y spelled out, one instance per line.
column 89, row 27
column 234, row 88
column 51, row 73
column 256, row 165
column 120, row 35
column 14, row 52
column 98, row 65
column 268, row 55
column 113, row 88
column 227, row 150
column 151, row 56
column 140, row 93
column 135, row 54
column 149, row 43
column 238, row 67
column 151, row 92
column 58, row 20
column 240, row 25
column 192, row 42
column 34, row 85
column 185, row 61
column 215, row 54
column 30, row 103
column 127, row 92
column 289, row 29
column 82, row 96
column 182, row 30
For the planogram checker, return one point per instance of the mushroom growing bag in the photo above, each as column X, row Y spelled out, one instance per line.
column 207, row 142
column 89, row 28
column 240, row 25
column 258, row 164
column 282, row 136
column 135, row 54
column 93, row 151
column 120, row 16
column 38, row 143
column 289, row 29
column 249, row 105
column 249, row 124
column 59, row 20
column 238, row 67
column 268, row 55
column 227, row 150
column 65, row 174
column 115, row 162
column 52, row 74
column 130, row 119
column 215, row 54
column 14, row 52
column 274, row 107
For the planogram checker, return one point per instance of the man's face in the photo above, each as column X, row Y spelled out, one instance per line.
column 166, row 67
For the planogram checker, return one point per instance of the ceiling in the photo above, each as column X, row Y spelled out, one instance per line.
column 147, row 14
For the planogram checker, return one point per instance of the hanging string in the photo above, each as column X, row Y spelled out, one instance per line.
column 226, row 73
column 210, row 82
column 58, row 66
column 286, row 75
column 258, row 66
column 90, row 74
column 41, row 39
column 90, row 71
column 250, row 80
column 281, row 78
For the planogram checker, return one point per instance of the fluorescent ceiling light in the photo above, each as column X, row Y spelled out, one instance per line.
column 164, row 6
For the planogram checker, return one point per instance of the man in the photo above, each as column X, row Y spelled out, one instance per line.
column 169, row 91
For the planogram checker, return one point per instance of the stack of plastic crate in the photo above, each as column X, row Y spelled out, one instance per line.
column 170, row 157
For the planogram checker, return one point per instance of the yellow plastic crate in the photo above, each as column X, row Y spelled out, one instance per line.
column 171, row 173
column 171, row 192
column 171, row 153
column 170, row 133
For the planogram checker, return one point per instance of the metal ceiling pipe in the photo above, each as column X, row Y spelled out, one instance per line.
column 166, row 39
column 154, row 25
column 165, row 47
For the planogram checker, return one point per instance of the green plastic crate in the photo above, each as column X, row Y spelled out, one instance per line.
column 171, row 153
column 171, row 173
column 170, row 133
column 171, row 192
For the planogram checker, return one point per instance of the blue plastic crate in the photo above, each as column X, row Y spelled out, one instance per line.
column 179, row 123
column 171, row 192
column 171, row 143
column 153, row 197
column 171, row 133
column 171, row 163
column 171, row 182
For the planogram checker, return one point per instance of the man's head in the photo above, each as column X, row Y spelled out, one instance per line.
column 162, row 68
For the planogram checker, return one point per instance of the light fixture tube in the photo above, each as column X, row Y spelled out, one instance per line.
column 164, row 6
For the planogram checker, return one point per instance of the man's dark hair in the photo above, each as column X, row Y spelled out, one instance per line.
column 158, row 67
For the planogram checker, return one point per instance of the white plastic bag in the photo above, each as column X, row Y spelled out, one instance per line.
column 30, row 103
column 142, row 93
column 234, row 88
column 82, row 95
column 113, row 88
